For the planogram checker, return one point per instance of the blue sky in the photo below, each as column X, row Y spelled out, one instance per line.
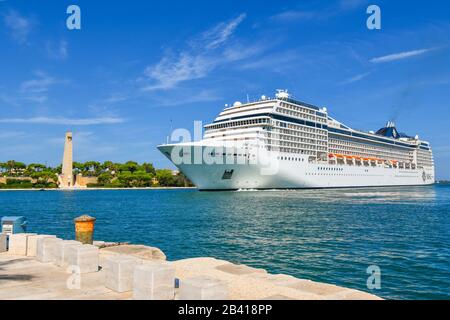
column 136, row 69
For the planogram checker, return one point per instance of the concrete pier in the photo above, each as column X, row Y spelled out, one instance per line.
column 24, row 277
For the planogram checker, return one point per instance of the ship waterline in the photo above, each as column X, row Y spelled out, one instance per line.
column 286, row 144
column 290, row 172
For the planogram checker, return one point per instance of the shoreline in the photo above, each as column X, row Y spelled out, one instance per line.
column 100, row 188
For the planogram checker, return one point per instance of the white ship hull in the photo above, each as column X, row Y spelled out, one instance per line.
column 295, row 174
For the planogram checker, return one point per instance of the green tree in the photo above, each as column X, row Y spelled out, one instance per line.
column 3, row 167
column 57, row 170
column 164, row 177
column 91, row 168
column 15, row 168
column 109, row 166
column 35, row 167
column 149, row 168
column 45, row 179
column 110, row 174
column 105, row 178
column 130, row 166
column 77, row 167
column 142, row 179
column 126, row 178
column 182, row 181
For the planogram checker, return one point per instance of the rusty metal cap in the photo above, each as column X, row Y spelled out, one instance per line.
column 84, row 218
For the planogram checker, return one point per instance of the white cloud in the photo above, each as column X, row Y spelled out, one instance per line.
column 222, row 32
column 328, row 12
column 356, row 78
column 116, row 97
column 64, row 121
column 34, row 90
column 170, row 71
column 8, row 135
column 19, row 26
column 39, row 84
column 279, row 61
column 196, row 62
column 401, row 55
column 294, row 15
column 186, row 98
column 58, row 51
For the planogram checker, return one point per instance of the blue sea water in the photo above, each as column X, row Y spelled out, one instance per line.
column 330, row 236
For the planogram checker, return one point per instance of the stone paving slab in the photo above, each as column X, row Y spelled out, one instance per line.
column 24, row 277
column 138, row 251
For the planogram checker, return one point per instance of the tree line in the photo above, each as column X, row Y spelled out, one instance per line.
column 109, row 174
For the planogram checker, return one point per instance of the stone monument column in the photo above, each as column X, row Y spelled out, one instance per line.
column 67, row 180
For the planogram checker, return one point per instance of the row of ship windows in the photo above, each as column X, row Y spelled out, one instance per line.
column 255, row 109
column 333, row 169
column 374, row 152
column 425, row 162
column 266, row 121
column 429, row 158
column 342, row 174
column 307, row 143
column 371, row 155
column 355, row 139
column 300, row 115
column 321, row 117
column 386, row 157
column 301, row 146
column 239, row 123
column 291, row 159
column 356, row 151
column 282, row 137
column 294, row 128
column 296, row 108
column 424, row 155
column 365, row 146
column 288, row 137
column 298, row 133
column 289, row 150
column 297, row 145
column 302, row 128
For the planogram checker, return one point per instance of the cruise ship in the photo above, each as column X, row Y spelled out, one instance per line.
column 283, row 143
